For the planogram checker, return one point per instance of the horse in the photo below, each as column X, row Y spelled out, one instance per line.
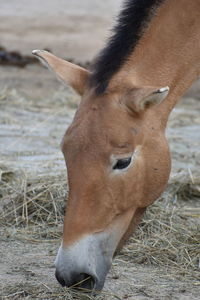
column 116, row 152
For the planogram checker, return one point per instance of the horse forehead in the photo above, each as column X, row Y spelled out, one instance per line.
column 85, row 136
column 95, row 120
column 98, row 127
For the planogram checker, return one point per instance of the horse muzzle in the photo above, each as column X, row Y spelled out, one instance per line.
column 85, row 264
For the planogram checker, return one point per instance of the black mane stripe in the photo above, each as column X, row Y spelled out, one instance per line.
column 132, row 21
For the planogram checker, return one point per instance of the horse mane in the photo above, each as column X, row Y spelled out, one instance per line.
column 131, row 24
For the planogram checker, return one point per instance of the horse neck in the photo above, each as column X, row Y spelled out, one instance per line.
column 168, row 53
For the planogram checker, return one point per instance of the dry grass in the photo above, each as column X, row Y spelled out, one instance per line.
column 27, row 291
column 170, row 232
column 34, row 202
column 168, row 235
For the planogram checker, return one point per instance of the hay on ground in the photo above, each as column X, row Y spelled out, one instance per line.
column 169, row 234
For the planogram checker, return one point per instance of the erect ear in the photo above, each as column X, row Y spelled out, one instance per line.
column 138, row 99
column 70, row 73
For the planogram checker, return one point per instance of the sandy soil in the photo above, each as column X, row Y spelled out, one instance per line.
column 35, row 110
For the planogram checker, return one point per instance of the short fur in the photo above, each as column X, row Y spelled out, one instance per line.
column 132, row 21
column 102, row 202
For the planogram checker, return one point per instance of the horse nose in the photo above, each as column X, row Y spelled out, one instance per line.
column 84, row 264
column 83, row 282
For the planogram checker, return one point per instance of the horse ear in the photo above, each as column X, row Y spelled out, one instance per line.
column 70, row 73
column 140, row 98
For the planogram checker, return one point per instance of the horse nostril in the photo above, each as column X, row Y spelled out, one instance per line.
column 60, row 279
column 84, row 282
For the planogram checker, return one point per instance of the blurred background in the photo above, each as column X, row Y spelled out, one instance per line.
column 74, row 30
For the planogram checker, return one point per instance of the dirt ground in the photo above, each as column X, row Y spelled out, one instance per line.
column 35, row 110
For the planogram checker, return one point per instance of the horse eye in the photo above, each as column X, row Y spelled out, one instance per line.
column 122, row 163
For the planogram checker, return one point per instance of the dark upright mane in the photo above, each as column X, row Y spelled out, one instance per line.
column 132, row 21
